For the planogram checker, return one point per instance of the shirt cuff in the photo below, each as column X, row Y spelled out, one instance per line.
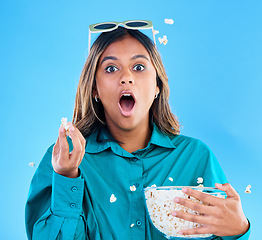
column 67, row 196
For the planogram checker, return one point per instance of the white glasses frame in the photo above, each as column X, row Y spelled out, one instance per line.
column 92, row 29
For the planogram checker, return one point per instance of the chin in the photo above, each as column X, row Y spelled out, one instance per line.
column 128, row 126
column 130, row 123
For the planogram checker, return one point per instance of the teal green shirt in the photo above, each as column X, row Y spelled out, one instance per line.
column 80, row 208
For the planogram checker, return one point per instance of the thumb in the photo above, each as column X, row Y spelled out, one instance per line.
column 228, row 189
column 56, row 147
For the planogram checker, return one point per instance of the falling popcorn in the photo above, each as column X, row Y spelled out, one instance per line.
column 66, row 125
column 154, row 185
column 31, row 164
column 133, row 188
column 132, row 225
column 112, row 198
column 200, row 180
column 248, row 189
column 155, row 32
column 171, row 179
column 163, row 40
column 169, row 21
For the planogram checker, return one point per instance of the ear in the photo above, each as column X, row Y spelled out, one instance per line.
column 95, row 92
column 157, row 90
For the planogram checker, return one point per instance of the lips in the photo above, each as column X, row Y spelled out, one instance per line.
column 127, row 103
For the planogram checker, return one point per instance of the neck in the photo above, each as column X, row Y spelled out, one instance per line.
column 132, row 140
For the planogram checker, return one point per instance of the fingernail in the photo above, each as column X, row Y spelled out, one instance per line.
column 61, row 129
column 71, row 129
column 180, row 232
column 176, row 199
column 174, row 214
column 184, row 190
column 218, row 185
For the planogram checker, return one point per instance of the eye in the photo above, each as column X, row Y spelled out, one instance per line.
column 139, row 67
column 111, row 69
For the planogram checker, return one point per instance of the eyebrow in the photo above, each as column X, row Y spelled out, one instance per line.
column 115, row 58
column 108, row 58
column 140, row 56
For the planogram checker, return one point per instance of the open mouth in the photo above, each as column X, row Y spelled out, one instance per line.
column 127, row 103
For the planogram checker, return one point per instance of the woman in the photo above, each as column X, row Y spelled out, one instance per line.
column 124, row 138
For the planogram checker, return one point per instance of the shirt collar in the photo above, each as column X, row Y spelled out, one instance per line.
column 101, row 140
column 160, row 139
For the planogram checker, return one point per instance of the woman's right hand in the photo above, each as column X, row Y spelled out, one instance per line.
column 65, row 163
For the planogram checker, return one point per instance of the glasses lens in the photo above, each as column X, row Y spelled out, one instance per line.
column 104, row 26
column 136, row 24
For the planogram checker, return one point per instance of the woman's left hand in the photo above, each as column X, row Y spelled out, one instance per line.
column 221, row 217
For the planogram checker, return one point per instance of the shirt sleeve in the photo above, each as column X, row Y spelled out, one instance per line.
column 214, row 174
column 54, row 205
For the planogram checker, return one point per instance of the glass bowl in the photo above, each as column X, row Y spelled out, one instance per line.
column 160, row 204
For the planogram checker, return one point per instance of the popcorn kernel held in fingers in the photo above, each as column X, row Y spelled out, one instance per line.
column 65, row 125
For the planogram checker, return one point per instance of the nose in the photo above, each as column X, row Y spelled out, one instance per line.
column 126, row 78
column 125, row 81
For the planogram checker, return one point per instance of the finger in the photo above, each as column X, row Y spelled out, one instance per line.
column 56, row 147
column 76, row 130
column 199, row 207
column 77, row 150
column 205, row 197
column 202, row 219
column 228, row 189
column 199, row 230
column 82, row 140
column 81, row 137
column 63, row 144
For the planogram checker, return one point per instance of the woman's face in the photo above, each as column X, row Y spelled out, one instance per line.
column 126, row 84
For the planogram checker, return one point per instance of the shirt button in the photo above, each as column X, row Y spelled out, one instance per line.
column 73, row 189
column 134, row 159
column 136, row 184
column 72, row 205
column 138, row 223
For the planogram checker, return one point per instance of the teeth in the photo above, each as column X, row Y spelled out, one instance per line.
column 126, row 95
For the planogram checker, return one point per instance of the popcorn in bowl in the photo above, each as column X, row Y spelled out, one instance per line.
column 160, row 205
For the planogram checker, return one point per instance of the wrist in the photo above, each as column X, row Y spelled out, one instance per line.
column 71, row 174
column 244, row 226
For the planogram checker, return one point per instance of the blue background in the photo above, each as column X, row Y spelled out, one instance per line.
column 213, row 59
